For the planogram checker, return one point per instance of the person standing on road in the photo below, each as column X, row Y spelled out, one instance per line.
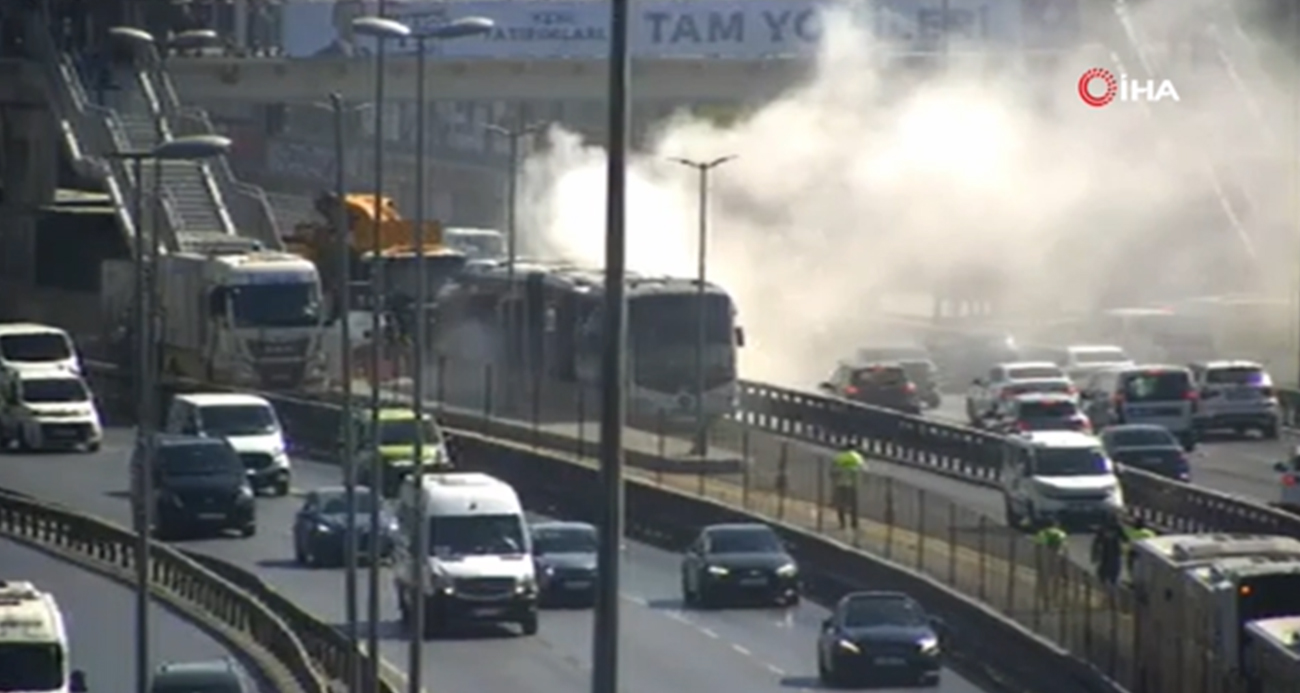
column 845, row 468
column 1051, row 541
column 1136, row 531
column 1108, row 551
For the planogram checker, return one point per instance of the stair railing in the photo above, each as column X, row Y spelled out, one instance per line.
column 248, row 203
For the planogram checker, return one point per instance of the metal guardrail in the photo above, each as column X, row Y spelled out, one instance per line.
column 246, row 623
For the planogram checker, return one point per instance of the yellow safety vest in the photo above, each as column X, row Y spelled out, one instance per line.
column 845, row 465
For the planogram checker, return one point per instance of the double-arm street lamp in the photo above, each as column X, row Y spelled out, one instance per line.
column 147, row 333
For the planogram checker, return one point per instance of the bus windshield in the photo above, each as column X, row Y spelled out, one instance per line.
column 28, row 666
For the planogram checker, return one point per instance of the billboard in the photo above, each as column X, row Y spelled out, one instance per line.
column 723, row 29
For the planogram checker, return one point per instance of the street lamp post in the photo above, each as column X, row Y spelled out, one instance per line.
column 339, row 109
column 382, row 29
column 701, row 443
column 513, row 135
column 146, row 302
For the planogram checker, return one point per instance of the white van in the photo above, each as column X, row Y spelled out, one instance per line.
column 248, row 422
column 1064, row 475
column 46, row 408
column 30, row 345
column 479, row 553
column 34, row 642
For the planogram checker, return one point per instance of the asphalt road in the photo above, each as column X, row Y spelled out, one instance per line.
column 664, row 647
column 100, row 617
column 1239, row 467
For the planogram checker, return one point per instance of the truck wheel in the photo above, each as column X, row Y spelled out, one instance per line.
column 1267, row 432
column 92, row 448
column 528, row 626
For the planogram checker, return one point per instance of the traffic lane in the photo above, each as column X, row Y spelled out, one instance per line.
column 557, row 660
column 1241, row 467
column 780, row 643
column 100, row 617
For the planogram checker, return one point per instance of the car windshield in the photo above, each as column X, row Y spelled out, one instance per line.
column 1101, row 356
column 744, row 540
column 883, row 611
column 31, row 666
column 35, row 348
column 404, row 432
column 564, row 540
column 52, row 390
column 288, row 304
column 1242, row 375
column 1141, row 438
column 1042, row 386
column 1048, row 410
column 1034, row 372
column 337, row 503
column 881, row 377
column 1156, row 386
column 1070, row 462
column 878, row 354
column 238, row 420
column 476, row 535
column 199, row 459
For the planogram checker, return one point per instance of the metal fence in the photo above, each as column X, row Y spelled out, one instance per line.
column 1047, row 593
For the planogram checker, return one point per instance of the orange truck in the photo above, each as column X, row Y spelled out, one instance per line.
column 380, row 238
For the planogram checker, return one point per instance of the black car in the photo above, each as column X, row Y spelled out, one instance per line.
column 214, row 676
column 924, row 374
column 1147, row 447
column 879, row 637
column 199, row 484
column 877, row 384
column 320, row 528
column 742, row 562
column 565, row 557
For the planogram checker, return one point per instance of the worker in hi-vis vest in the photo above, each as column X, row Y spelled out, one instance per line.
column 845, row 468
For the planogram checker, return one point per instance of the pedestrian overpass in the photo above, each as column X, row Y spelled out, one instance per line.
column 207, row 79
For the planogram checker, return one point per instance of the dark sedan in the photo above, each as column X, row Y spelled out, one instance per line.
column 1149, row 448
column 565, row 555
column 879, row 637
column 739, row 562
column 321, row 527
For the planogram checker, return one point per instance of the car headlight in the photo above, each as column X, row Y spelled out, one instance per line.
column 323, row 528
column 391, row 525
column 849, row 647
column 787, row 570
column 1115, row 497
column 526, row 585
column 928, row 645
column 718, row 570
column 245, row 491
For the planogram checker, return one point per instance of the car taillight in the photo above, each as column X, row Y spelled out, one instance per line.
column 1288, row 480
column 1022, row 426
column 1071, row 390
column 1192, row 395
column 850, row 390
column 1083, row 424
column 909, row 388
column 1208, row 394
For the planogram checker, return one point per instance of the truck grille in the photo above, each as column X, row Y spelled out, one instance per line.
column 288, row 349
column 256, row 461
column 485, row 587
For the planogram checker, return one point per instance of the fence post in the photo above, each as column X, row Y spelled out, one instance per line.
column 821, row 493
column 889, row 517
column 952, row 543
column 582, row 421
column 983, row 559
column 441, row 385
column 1013, row 562
column 662, row 445
column 487, row 391
column 537, row 409
column 744, row 459
column 920, row 536
column 783, row 480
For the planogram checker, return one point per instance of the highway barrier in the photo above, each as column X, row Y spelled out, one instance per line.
column 984, row 579
column 247, row 625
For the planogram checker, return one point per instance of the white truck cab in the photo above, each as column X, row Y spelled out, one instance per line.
column 1064, row 475
column 34, row 642
column 47, row 408
column 248, row 422
column 25, row 345
column 479, row 554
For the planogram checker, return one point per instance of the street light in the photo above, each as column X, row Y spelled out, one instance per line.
column 343, row 305
column 512, row 204
column 701, row 444
column 382, row 29
column 146, row 314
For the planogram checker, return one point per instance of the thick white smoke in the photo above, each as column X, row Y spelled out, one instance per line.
column 862, row 184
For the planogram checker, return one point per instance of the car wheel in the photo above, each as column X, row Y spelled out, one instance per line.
column 92, row 448
column 281, row 488
column 528, row 625
column 1013, row 518
column 403, row 608
column 248, row 530
column 1269, row 432
column 688, row 596
column 792, row 600
column 825, row 674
